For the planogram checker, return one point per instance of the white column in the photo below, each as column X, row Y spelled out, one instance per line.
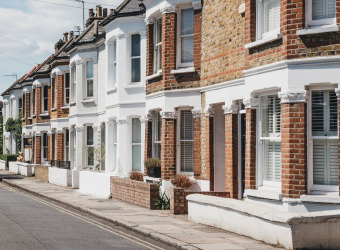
column 143, row 55
column 109, row 164
column 143, row 120
column 71, row 138
column 79, row 81
column 79, row 150
column 15, row 108
column 121, row 60
column 124, row 166
column 96, row 144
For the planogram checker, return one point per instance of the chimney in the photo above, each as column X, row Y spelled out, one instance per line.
column 91, row 14
column 98, row 11
column 111, row 11
column 105, row 12
column 58, row 45
column 71, row 34
column 65, row 38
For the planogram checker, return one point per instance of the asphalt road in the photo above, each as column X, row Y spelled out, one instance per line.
column 30, row 222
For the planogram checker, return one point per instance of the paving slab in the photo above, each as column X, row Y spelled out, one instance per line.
column 174, row 230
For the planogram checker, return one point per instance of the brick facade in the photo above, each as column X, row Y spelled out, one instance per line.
column 197, row 147
column 250, row 161
column 60, row 147
column 207, row 150
column 148, row 141
column 37, row 147
column 168, row 149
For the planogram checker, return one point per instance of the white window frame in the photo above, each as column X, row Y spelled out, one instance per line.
column 67, row 148
column 136, row 143
column 44, row 147
column 54, row 93
column 114, row 62
column 89, row 79
column 55, row 146
column 155, row 128
column 67, row 88
column 43, row 97
column 73, row 83
column 179, row 38
column 310, row 168
column 136, row 57
column 157, row 68
column 88, row 146
column 260, row 155
column 260, row 22
column 178, row 144
column 20, row 109
column 317, row 23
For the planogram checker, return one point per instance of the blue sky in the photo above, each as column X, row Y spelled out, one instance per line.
column 39, row 24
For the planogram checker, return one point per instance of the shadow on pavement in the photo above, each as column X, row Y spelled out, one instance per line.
column 9, row 176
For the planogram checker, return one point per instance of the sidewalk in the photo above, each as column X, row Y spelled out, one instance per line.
column 159, row 225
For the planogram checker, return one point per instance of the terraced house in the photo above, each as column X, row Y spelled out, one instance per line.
column 241, row 96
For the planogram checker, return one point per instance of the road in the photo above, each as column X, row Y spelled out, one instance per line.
column 31, row 222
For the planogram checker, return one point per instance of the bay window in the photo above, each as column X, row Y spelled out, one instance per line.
column 325, row 138
column 89, row 146
column 267, row 18
column 271, row 140
column 321, row 12
column 135, row 58
column 158, row 45
column 73, row 83
column 45, row 99
column 67, row 89
column 136, row 145
column 156, row 135
column 185, row 141
column 89, row 79
column 186, row 38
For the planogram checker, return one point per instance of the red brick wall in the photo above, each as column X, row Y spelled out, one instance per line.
column 294, row 149
column 148, row 142
column 135, row 192
column 149, row 49
column 37, row 146
column 231, row 154
column 60, row 147
column 250, row 161
column 197, row 148
column 207, row 153
column 38, row 101
column 339, row 140
column 179, row 203
column 168, row 149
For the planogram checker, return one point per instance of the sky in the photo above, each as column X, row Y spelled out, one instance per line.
column 30, row 28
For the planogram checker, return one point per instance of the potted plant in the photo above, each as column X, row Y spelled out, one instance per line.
column 182, row 181
column 153, row 166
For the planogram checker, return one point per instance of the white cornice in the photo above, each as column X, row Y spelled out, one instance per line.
column 293, row 97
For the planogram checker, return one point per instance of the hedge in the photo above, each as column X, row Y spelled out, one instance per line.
column 8, row 158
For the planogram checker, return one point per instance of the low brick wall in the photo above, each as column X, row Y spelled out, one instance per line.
column 41, row 173
column 136, row 192
column 179, row 203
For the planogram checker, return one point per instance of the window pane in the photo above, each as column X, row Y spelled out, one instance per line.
column 333, row 112
column 136, row 158
column 89, row 136
column 74, row 71
column 135, row 47
column 271, row 15
column 272, row 161
column 89, row 88
column 89, row 69
column 45, row 141
column 90, row 156
column 322, row 9
column 318, row 111
column 271, row 116
column 114, row 51
column 159, row 31
column 136, row 130
column 187, row 49
column 135, row 68
column 187, row 22
column 187, row 156
column 187, row 125
column 67, row 80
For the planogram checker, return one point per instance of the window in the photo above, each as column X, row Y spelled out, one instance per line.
column 89, row 79
column 20, row 107
column 320, row 12
column 67, row 145
column 73, row 83
column 271, row 139
column 33, row 101
column 89, row 146
column 158, row 45
column 115, row 144
column 67, row 88
column 136, row 145
column 186, row 141
column 186, row 36
column 114, row 63
column 55, row 146
column 156, row 135
column 267, row 18
column 44, row 147
column 135, row 58
column 325, row 138
column 45, row 98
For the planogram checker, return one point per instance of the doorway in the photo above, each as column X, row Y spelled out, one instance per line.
column 219, row 149
column 242, row 150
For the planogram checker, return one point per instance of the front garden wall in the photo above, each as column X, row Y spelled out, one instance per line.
column 41, row 173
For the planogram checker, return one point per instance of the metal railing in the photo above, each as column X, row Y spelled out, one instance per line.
column 61, row 164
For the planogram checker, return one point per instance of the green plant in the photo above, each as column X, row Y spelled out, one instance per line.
column 8, row 158
column 163, row 202
column 136, row 176
column 15, row 125
column 182, row 181
column 152, row 163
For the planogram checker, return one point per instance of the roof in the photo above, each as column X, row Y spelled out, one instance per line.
column 127, row 8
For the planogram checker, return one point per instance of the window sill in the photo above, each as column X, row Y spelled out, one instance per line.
column 264, row 194
column 54, row 109
column 268, row 39
column 111, row 90
column 66, row 107
column 44, row 115
column 183, row 70
column 134, row 86
column 88, row 101
column 30, row 118
column 158, row 74
column 34, row 116
column 317, row 30
column 73, row 104
column 329, row 197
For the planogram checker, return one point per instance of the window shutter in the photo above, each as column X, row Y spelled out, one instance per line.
column 318, row 112
column 322, row 9
column 333, row 112
column 273, row 158
column 271, row 15
column 334, row 162
column 186, row 141
column 187, row 38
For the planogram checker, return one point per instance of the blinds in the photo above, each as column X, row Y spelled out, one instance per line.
column 273, row 161
column 323, row 9
column 271, row 15
column 187, row 35
column 186, row 141
column 271, row 116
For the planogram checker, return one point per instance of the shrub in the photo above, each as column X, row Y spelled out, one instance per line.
column 182, row 181
column 152, row 163
column 8, row 158
column 136, row 176
column 163, row 202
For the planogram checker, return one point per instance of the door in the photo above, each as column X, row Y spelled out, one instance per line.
column 219, row 149
column 242, row 153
